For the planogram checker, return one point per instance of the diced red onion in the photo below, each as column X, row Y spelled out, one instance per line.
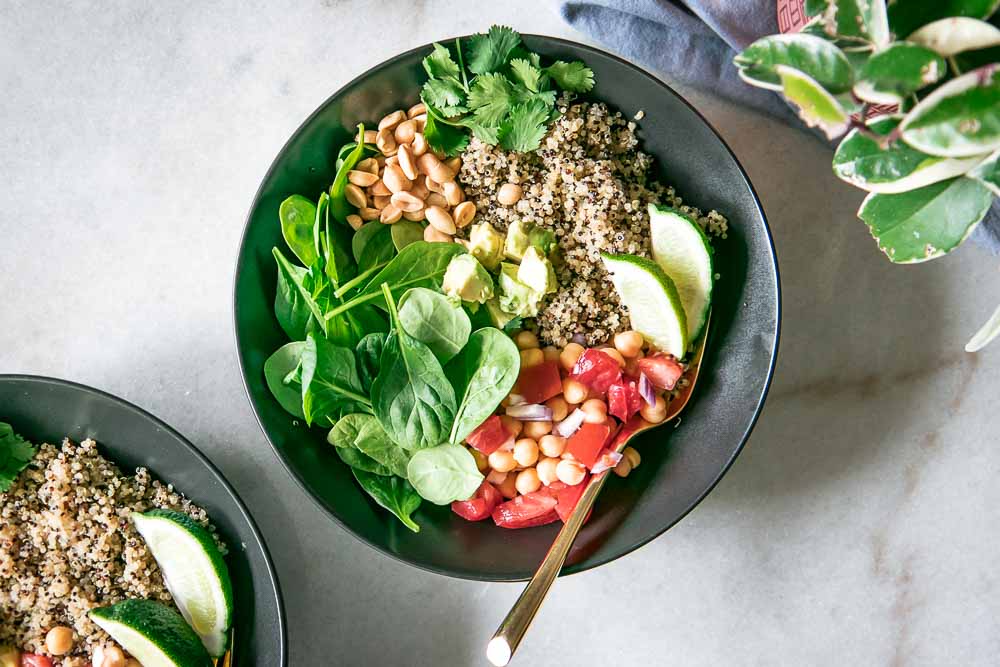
column 516, row 399
column 607, row 461
column 579, row 338
column 647, row 390
column 533, row 412
column 570, row 425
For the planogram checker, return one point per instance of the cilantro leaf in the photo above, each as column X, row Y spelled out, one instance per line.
column 448, row 139
column 575, row 76
column 524, row 128
column 439, row 64
column 445, row 94
column 521, row 95
column 486, row 134
column 526, row 74
column 15, row 454
column 489, row 98
column 489, row 52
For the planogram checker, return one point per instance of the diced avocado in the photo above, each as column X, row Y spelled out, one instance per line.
column 543, row 239
column 486, row 245
column 466, row 279
column 497, row 314
column 517, row 240
column 536, row 272
column 517, row 298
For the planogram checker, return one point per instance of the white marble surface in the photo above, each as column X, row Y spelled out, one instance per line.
column 858, row 528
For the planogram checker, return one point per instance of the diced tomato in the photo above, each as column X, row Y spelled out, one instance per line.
column 596, row 370
column 479, row 506
column 532, row 509
column 488, row 436
column 624, row 399
column 539, row 383
column 663, row 370
column 568, row 497
column 586, row 444
column 33, row 660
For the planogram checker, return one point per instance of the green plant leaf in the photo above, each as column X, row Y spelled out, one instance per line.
column 444, row 474
column 489, row 98
column 890, row 168
column 955, row 35
column 447, row 95
column 959, row 119
column 817, row 107
column 439, row 64
column 526, row 74
column 363, row 432
column 339, row 206
column 967, row 61
column 297, row 215
column 523, row 129
column 813, row 56
column 406, row 232
column 330, row 383
column 575, row 76
column 928, row 222
column 352, row 456
column 392, row 493
column 368, row 355
column 983, row 337
column 442, row 137
column 855, row 20
column 435, row 320
column 482, row 375
column 489, row 52
column 295, row 306
column 15, row 455
column 278, row 373
column 372, row 245
column 905, row 16
column 987, row 172
column 897, row 71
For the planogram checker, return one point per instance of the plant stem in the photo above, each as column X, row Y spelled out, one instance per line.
column 357, row 280
column 344, row 307
column 393, row 314
column 461, row 65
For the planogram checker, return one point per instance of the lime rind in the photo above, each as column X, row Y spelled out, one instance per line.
column 682, row 249
column 152, row 633
column 194, row 572
column 652, row 300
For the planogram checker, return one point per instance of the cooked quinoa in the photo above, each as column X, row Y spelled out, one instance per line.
column 67, row 545
column 590, row 184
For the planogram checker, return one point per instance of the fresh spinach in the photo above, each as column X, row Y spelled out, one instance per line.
column 411, row 395
column 482, row 375
column 392, row 493
column 406, row 232
column 363, row 433
column 435, row 320
column 330, row 384
column 331, row 241
column 282, row 378
column 372, row 245
column 368, row 355
column 444, row 474
column 350, row 327
column 296, row 302
column 356, row 459
column 297, row 215
column 339, row 207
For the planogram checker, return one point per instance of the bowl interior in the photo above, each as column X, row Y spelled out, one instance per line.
column 46, row 410
column 679, row 465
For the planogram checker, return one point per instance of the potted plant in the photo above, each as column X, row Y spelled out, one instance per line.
column 912, row 90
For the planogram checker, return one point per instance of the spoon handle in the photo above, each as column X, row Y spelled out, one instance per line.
column 512, row 629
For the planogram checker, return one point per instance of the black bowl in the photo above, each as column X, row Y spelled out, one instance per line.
column 47, row 410
column 680, row 465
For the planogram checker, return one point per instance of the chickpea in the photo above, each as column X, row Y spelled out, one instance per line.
column 496, row 478
column 536, row 429
column 595, row 411
column 654, row 413
column 570, row 355
column 570, row 472
column 526, row 340
column 531, row 357
column 508, row 488
column 629, row 343
column 574, row 392
column 511, row 425
column 509, row 194
column 559, row 407
column 546, row 470
column 526, row 452
column 59, row 640
column 482, row 463
column 552, row 445
column 614, row 354
column 527, row 481
column 108, row 656
column 551, row 353
column 632, row 454
column 623, row 468
column 502, row 461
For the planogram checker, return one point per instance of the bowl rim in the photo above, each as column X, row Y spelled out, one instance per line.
column 272, row 577
column 567, row 570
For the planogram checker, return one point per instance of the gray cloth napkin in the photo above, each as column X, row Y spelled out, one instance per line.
column 694, row 42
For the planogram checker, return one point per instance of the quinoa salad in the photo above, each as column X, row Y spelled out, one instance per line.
column 494, row 293
column 70, row 548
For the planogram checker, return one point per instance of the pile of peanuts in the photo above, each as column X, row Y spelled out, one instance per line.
column 534, row 456
column 408, row 180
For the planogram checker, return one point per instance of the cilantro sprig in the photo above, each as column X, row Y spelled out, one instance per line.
column 15, row 454
column 495, row 89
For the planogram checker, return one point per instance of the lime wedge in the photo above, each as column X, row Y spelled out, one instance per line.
column 193, row 571
column 652, row 301
column 153, row 633
column 682, row 250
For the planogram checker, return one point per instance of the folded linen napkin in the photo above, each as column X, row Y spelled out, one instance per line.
column 694, row 42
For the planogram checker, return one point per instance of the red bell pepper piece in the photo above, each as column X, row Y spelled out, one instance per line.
column 488, row 436
column 586, row 444
column 663, row 370
column 596, row 370
column 624, row 399
column 539, row 383
column 532, row 509
column 479, row 506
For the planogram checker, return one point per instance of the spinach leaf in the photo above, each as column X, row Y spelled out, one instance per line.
column 411, row 395
column 344, row 436
column 297, row 215
column 339, row 207
column 406, row 232
column 372, row 245
column 330, row 384
column 482, row 375
column 350, row 327
column 435, row 320
column 15, row 455
column 280, row 373
column 363, row 433
column 331, row 241
column 295, row 302
column 420, row 264
column 392, row 493
column 368, row 354
column 444, row 474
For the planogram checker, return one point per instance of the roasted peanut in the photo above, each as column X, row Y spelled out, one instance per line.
column 390, row 214
column 464, row 213
column 405, row 201
column 407, row 162
column 355, row 196
column 395, row 179
column 392, row 120
column 441, row 219
column 361, row 178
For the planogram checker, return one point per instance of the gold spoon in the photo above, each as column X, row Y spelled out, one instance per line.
column 508, row 636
